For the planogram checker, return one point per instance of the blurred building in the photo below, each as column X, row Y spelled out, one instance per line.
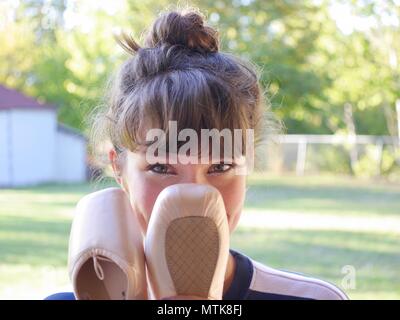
column 34, row 147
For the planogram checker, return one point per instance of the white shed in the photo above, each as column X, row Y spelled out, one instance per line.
column 34, row 148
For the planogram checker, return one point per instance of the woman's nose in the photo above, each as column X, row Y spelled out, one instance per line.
column 194, row 176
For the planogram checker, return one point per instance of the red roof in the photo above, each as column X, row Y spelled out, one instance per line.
column 12, row 99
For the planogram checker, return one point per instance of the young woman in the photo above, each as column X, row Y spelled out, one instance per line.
column 179, row 75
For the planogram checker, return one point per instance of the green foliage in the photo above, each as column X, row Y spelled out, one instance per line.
column 368, row 164
column 327, row 158
column 308, row 66
column 390, row 163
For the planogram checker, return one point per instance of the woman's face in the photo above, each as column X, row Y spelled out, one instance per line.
column 143, row 182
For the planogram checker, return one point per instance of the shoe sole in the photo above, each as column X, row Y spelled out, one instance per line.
column 192, row 250
column 187, row 243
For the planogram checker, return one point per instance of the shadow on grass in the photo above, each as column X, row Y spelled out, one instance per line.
column 25, row 240
column 323, row 254
column 81, row 188
column 262, row 195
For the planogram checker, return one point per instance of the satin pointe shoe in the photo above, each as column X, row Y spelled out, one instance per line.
column 106, row 258
column 187, row 243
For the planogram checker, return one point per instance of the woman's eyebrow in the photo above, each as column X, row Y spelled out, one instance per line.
column 223, row 159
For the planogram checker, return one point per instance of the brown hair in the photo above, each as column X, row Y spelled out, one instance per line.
column 180, row 74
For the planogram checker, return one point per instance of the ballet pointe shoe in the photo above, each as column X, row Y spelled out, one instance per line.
column 187, row 243
column 106, row 258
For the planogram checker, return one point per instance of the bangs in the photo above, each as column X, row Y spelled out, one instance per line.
column 193, row 99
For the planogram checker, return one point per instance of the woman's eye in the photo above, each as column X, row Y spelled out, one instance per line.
column 159, row 168
column 220, row 168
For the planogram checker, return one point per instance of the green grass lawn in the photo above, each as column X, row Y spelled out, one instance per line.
column 310, row 225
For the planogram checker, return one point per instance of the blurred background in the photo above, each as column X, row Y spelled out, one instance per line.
column 324, row 201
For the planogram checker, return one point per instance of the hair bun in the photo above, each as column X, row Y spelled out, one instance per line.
column 186, row 28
